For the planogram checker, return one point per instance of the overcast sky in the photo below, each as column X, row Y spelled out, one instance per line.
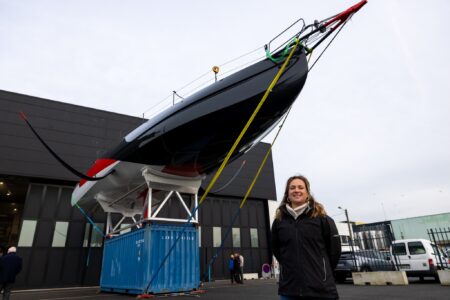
column 371, row 128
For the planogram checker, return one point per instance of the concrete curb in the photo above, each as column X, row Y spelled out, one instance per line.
column 248, row 276
column 380, row 278
column 444, row 277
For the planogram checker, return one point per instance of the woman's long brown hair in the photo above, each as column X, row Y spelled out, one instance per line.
column 317, row 209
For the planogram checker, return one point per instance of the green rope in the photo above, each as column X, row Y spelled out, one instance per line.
column 286, row 51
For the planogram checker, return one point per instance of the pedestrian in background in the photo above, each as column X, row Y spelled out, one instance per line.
column 10, row 266
column 241, row 267
column 306, row 244
column 231, row 267
column 237, row 268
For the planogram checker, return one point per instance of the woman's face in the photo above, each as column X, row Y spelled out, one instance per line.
column 297, row 194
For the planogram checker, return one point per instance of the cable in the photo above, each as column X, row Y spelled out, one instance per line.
column 90, row 220
column 239, row 57
column 329, row 43
column 231, row 180
column 59, row 159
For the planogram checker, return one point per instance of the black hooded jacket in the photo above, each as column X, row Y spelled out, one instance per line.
column 308, row 250
column 10, row 266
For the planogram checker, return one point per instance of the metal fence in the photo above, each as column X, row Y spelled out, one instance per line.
column 367, row 251
column 372, row 249
column 440, row 237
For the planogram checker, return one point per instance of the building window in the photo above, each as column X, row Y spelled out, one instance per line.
column 254, row 237
column 217, row 236
column 96, row 237
column 60, row 234
column 236, row 235
column 27, row 233
column 86, row 235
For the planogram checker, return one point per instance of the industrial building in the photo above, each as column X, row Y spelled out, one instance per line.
column 416, row 227
column 409, row 228
column 379, row 235
column 60, row 248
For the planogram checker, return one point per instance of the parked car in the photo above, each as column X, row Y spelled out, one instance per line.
column 361, row 261
column 418, row 257
column 386, row 254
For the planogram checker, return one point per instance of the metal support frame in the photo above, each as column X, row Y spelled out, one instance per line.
column 112, row 229
column 172, row 186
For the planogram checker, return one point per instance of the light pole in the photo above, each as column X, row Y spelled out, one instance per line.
column 351, row 235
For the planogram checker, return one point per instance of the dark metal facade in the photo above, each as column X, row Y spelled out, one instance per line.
column 80, row 135
column 219, row 212
column 49, row 266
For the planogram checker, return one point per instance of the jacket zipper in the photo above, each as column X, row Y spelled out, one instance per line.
column 297, row 221
column 280, row 266
column 324, row 269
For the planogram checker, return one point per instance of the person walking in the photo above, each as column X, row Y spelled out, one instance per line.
column 231, row 267
column 10, row 266
column 306, row 243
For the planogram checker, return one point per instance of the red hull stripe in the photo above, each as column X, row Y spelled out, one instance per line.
column 191, row 170
column 98, row 166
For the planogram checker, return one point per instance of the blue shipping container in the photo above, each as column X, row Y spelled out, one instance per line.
column 131, row 260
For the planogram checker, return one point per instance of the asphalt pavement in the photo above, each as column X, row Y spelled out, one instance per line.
column 253, row 289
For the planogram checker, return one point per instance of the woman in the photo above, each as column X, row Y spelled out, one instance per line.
column 306, row 244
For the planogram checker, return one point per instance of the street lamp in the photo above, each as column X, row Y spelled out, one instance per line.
column 349, row 232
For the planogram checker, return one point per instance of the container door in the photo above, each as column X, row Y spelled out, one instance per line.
column 418, row 256
column 174, row 259
column 124, row 261
column 400, row 256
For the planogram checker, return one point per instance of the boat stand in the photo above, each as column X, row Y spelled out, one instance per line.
column 167, row 186
column 174, row 185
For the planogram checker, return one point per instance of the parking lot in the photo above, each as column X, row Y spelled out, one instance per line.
column 256, row 289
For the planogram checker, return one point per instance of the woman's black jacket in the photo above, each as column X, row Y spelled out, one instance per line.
column 308, row 250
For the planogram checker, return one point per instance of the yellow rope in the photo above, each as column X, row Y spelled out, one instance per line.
column 266, row 156
column 249, row 122
column 262, row 164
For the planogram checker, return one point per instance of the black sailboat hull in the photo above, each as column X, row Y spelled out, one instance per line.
column 194, row 136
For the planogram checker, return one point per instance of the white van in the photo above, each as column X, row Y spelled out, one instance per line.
column 418, row 257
